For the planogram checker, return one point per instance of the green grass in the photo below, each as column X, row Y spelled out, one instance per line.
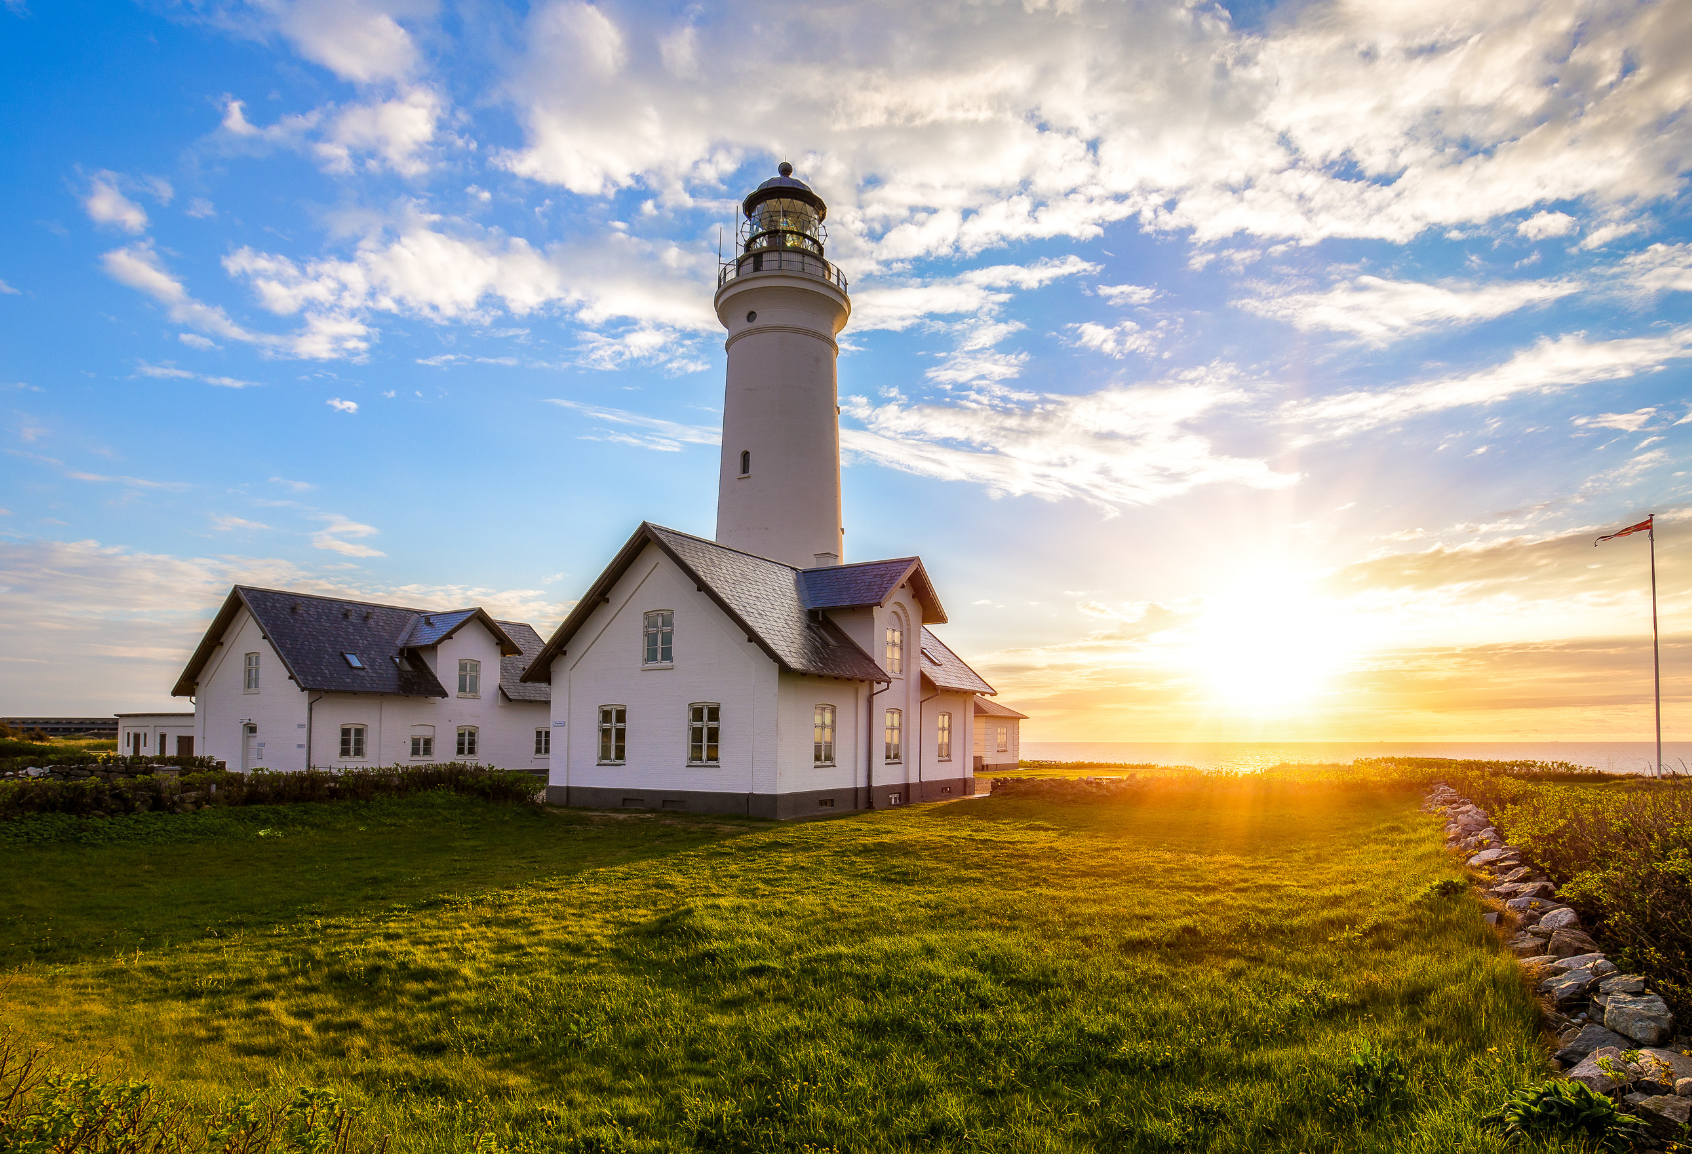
column 1196, row 970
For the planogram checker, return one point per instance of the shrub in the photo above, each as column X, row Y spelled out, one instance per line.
column 1568, row 1110
column 97, row 796
column 43, row 1111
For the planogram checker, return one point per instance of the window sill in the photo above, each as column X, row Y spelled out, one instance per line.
column 704, row 765
column 249, row 693
column 658, row 665
column 610, row 763
column 471, row 696
column 822, row 764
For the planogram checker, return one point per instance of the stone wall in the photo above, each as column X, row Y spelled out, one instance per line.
column 1615, row 1034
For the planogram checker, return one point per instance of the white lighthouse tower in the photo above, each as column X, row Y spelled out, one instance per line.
column 782, row 303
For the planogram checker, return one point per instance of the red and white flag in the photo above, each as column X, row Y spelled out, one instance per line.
column 1643, row 527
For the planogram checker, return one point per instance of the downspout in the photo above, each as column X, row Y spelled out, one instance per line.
column 869, row 747
column 310, row 701
column 922, row 729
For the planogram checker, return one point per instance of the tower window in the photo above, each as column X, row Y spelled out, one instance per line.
column 745, row 461
column 750, row 317
column 659, row 631
column 704, row 730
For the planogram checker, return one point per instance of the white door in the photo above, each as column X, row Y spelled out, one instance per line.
column 251, row 748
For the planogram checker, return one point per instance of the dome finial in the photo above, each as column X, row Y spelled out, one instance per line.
column 785, row 168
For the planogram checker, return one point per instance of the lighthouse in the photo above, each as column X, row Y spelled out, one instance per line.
column 783, row 304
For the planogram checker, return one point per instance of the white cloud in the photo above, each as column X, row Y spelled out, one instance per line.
column 1126, row 445
column 1378, row 311
column 101, row 478
column 224, row 524
column 200, row 208
column 106, row 205
column 341, row 534
column 641, row 431
column 196, row 341
column 358, row 40
column 397, row 133
column 343, row 406
column 1127, row 294
column 171, row 372
column 1548, row 366
column 295, row 486
column 7, row 290
column 1544, row 224
column 1626, row 422
column 1660, row 268
column 1116, row 340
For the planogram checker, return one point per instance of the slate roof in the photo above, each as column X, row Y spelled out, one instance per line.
column 761, row 596
column 511, row 665
column 310, row 634
column 994, row 709
column 947, row 670
column 871, row 583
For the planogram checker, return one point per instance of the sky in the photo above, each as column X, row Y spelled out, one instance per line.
column 1239, row 373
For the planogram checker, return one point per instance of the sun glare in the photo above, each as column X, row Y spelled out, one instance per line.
column 1268, row 645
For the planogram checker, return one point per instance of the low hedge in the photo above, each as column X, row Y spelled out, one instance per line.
column 84, row 759
column 97, row 796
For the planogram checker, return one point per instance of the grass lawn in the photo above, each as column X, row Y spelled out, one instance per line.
column 1191, row 971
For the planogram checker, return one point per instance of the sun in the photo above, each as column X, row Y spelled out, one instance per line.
column 1269, row 644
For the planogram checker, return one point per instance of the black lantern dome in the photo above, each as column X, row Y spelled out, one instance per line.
column 783, row 215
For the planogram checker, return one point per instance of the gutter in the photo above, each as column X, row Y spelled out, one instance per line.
column 922, row 702
column 869, row 745
column 311, row 701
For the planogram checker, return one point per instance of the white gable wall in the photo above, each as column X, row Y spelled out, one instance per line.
column 987, row 741
column 222, row 706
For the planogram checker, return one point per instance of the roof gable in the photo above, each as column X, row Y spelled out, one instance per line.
column 761, row 596
column 511, row 666
column 985, row 708
column 947, row 670
column 871, row 583
column 311, row 636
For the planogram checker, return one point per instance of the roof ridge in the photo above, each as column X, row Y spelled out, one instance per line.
column 725, row 548
column 856, row 564
column 343, row 600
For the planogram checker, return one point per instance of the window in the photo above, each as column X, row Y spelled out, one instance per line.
column 352, row 741
column 352, row 660
column 467, row 741
column 543, row 743
column 822, row 735
column 613, row 729
column 659, row 632
column 745, row 458
column 1004, row 738
column 895, row 649
column 251, row 684
column 944, row 744
column 422, row 745
column 895, row 734
column 703, row 729
column 469, row 678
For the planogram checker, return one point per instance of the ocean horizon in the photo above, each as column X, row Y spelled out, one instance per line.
column 1606, row 756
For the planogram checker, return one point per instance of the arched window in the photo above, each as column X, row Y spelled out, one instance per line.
column 745, row 461
column 896, row 646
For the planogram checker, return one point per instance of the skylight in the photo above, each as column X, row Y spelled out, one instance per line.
column 352, row 660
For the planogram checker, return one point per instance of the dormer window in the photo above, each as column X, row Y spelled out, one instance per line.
column 352, row 660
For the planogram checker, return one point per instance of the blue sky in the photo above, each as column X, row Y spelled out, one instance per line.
column 1262, row 374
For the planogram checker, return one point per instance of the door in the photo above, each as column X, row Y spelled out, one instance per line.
column 185, row 746
column 249, row 746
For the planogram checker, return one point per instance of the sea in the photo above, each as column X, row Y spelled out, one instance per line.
column 1607, row 756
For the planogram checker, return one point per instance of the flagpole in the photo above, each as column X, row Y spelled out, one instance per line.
column 1656, row 657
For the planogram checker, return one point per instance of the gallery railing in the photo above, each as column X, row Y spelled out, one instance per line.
column 803, row 263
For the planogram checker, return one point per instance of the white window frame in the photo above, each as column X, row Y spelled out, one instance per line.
column 250, row 673
column 543, row 741
column 1003, row 741
column 658, row 638
column 943, row 737
column 422, row 745
column 469, row 677
column 354, row 741
column 469, row 741
column 704, row 733
column 822, row 734
column 613, row 734
column 894, row 732
column 895, row 648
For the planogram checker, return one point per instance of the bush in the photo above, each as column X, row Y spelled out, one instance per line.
column 43, row 1111
column 1568, row 1110
column 98, row 797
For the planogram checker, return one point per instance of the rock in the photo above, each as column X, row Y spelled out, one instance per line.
column 1563, row 919
column 1577, row 962
column 1683, row 1088
column 1525, row 945
column 1678, row 1065
column 1587, row 1039
column 1622, row 984
column 1642, row 1017
column 1488, row 857
column 1592, row 1071
column 1666, row 1114
column 1542, row 961
column 1490, row 919
column 1571, row 987
column 1568, row 943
